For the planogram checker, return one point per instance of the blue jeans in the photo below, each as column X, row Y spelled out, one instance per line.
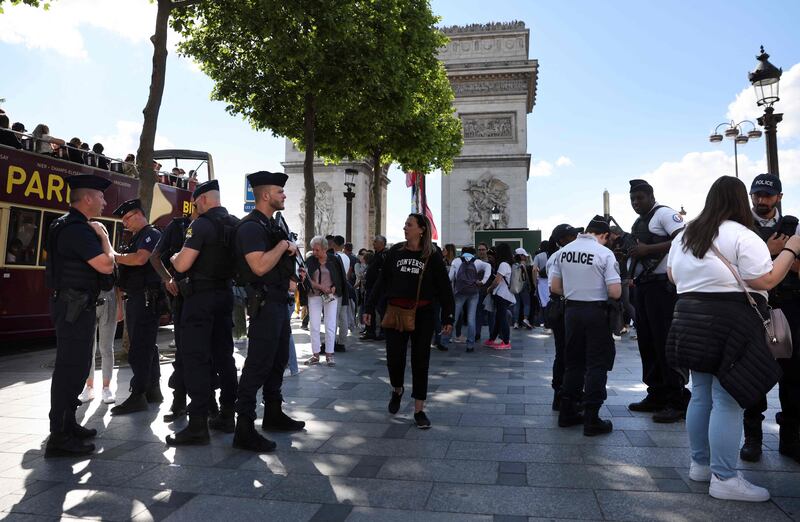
column 472, row 306
column 523, row 300
column 714, row 424
column 292, row 352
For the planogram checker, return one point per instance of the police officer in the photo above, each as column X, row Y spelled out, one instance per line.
column 79, row 264
column 265, row 263
column 170, row 244
column 141, row 285
column 654, row 302
column 774, row 229
column 586, row 274
column 206, row 322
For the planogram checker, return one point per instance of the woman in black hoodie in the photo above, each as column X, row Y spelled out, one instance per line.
column 400, row 282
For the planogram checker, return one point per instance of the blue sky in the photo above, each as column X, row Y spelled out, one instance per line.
column 626, row 89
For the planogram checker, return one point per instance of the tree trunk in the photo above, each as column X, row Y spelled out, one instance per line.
column 144, row 156
column 308, row 169
column 377, row 185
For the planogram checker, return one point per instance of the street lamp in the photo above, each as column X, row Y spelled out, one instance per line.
column 349, row 182
column 766, row 82
column 735, row 132
column 495, row 216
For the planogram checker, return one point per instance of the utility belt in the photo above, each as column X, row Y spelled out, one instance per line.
column 188, row 286
column 152, row 295
column 649, row 278
column 259, row 295
column 77, row 301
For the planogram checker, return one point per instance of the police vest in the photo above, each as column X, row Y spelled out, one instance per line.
column 790, row 283
column 133, row 277
column 641, row 232
column 167, row 251
column 272, row 234
column 63, row 272
column 216, row 261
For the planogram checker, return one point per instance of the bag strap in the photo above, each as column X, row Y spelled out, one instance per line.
column 419, row 283
column 766, row 321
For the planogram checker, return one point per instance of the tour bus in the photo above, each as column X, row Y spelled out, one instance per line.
column 33, row 193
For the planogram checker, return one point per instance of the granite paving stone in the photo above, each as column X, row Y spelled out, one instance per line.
column 440, row 470
column 196, row 479
column 201, row 506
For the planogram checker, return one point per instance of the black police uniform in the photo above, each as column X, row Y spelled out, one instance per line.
column 785, row 296
column 142, row 287
column 71, row 243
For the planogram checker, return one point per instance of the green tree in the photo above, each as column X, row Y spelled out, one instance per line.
column 32, row 3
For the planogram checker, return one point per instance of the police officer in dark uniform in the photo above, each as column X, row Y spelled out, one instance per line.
column 654, row 302
column 265, row 263
column 587, row 275
column 170, row 244
column 142, row 290
column 775, row 230
column 80, row 262
column 206, row 322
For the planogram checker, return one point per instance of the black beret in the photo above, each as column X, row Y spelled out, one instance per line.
column 88, row 181
column 263, row 177
column 204, row 187
column 640, row 185
column 600, row 224
column 131, row 204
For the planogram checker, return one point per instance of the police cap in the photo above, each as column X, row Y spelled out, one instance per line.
column 204, row 187
column 131, row 204
column 263, row 177
column 598, row 225
column 88, row 181
column 564, row 230
column 640, row 185
column 768, row 183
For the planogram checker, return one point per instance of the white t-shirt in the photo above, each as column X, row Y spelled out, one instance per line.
column 665, row 222
column 345, row 261
column 483, row 268
column 502, row 290
column 741, row 247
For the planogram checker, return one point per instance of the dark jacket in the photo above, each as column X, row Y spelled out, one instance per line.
column 374, row 269
column 719, row 333
column 336, row 269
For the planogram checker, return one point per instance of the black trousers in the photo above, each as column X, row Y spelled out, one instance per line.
column 789, row 384
column 74, row 343
column 655, row 302
column 176, row 380
column 206, row 334
column 267, row 357
column 559, row 337
column 397, row 350
column 142, row 318
column 589, row 353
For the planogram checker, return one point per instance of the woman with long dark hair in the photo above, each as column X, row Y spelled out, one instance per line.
column 503, row 299
column 413, row 278
column 715, row 330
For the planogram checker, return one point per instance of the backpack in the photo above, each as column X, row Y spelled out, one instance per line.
column 517, row 279
column 466, row 282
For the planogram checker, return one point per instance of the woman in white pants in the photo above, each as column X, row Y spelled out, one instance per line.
column 106, row 327
column 327, row 282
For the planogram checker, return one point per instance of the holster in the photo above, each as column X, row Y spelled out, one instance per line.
column 75, row 301
column 185, row 287
column 255, row 300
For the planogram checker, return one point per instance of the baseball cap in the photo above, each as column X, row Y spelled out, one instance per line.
column 521, row 252
column 768, row 183
column 563, row 230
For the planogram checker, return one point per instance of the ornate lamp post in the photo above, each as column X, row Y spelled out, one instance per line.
column 766, row 82
column 495, row 216
column 349, row 182
column 735, row 132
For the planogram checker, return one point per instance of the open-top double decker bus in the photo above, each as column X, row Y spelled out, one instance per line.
column 33, row 192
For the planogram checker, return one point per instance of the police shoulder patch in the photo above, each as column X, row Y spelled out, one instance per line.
column 188, row 232
column 677, row 218
column 148, row 239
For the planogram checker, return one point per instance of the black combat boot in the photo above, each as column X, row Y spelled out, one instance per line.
column 247, row 438
column 556, row 400
column 154, row 395
column 568, row 414
column 135, row 402
column 276, row 420
column 225, row 421
column 178, row 408
column 594, row 425
column 66, row 444
column 76, row 429
column 751, row 449
column 195, row 434
column 789, row 437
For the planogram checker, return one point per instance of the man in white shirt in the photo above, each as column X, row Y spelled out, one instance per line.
column 343, row 308
column 468, row 274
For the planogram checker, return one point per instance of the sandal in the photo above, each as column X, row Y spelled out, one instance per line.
column 314, row 359
column 329, row 360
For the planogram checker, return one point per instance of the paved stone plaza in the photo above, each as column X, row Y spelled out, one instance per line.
column 494, row 453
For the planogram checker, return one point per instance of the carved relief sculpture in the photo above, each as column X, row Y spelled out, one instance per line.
column 488, row 126
column 323, row 214
column 483, row 194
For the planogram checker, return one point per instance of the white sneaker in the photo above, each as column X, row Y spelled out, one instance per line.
column 737, row 488
column 699, row 472
column 108, row 396
column 87, row 395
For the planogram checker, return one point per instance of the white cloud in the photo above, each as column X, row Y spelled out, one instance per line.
column 541, row 169
column 59, row 29
column 563, row 161
column 744, row 106
column 126, row 140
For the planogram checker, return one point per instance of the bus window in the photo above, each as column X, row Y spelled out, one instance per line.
column 23, row 236
column 49, row 217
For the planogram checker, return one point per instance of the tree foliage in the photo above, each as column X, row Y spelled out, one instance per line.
column 32, row 3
